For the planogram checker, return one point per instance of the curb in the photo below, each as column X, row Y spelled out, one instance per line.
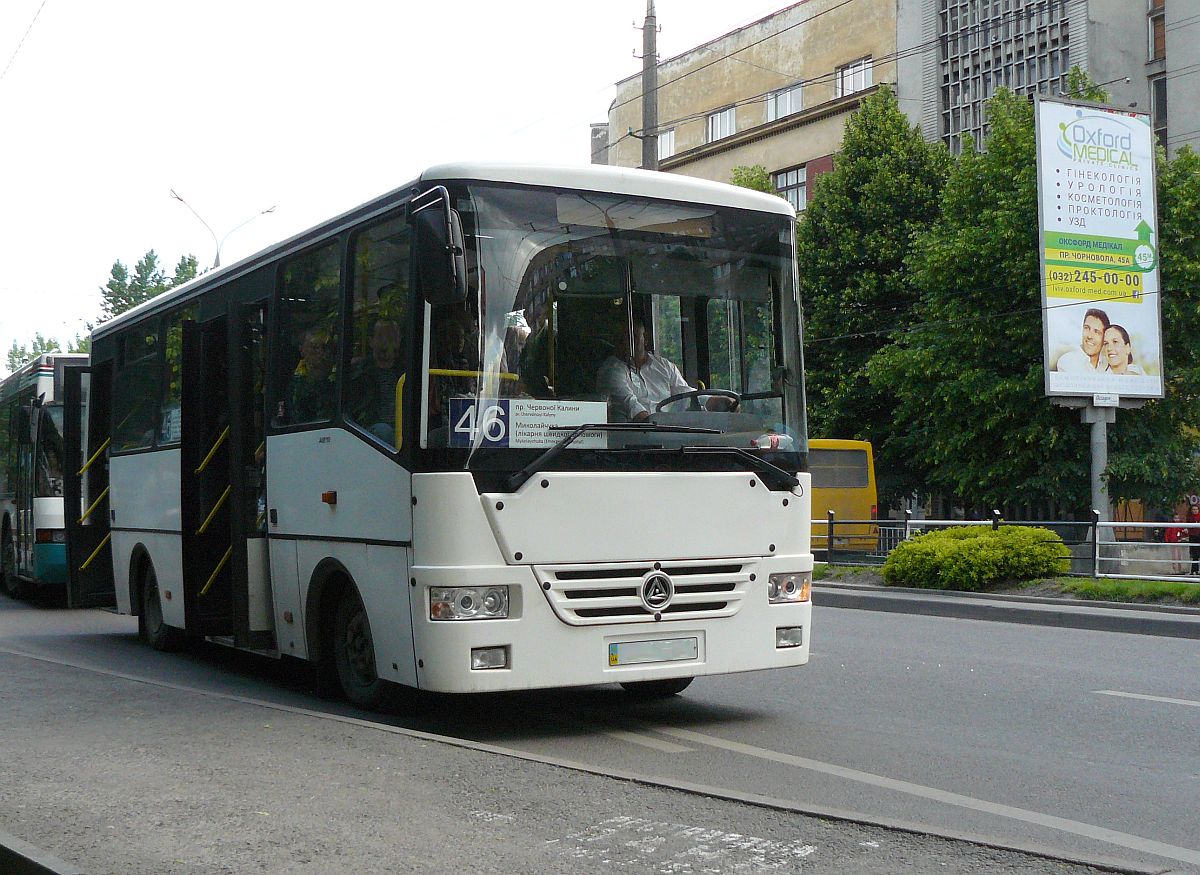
column 21, row 858
column 1167, row 621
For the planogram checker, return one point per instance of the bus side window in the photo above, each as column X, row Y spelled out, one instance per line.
column 169, row 425
column 307, row 342
column 380, row 329
column 136, row 389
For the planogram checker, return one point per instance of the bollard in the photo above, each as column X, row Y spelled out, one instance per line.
column 995, row 519
column 1095, row 543
column 907, row 523
column 829, row 540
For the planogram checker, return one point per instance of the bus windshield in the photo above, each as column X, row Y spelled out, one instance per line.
column 588, row 308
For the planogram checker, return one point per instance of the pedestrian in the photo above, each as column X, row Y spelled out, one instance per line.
column 1176, row 535
column 1193, row 517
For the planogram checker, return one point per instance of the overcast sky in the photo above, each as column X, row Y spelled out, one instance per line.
column 241, row 105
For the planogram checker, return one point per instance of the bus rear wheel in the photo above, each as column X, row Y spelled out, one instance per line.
column 13, row 585
column 657, row 689
column 354, row 654
column 153, row 629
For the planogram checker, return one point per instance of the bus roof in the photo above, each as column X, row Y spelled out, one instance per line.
column 34, row 368
column 587, row 177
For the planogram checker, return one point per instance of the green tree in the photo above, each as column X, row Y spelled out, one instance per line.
column 22, row 355
column 1152, row 448
column 124, row 292
column 853, row 242
column 968, row 375
column 755, row 177
column 80, row 344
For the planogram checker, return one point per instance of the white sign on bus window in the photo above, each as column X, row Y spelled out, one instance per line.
column 524, row 422
column 1099, row 251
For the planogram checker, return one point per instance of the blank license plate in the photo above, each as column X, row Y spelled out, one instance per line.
column 662, row 650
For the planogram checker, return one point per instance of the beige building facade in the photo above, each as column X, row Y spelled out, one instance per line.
column 775, row 93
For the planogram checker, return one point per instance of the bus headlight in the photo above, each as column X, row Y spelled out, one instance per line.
column 789, row 587
column 468, row 602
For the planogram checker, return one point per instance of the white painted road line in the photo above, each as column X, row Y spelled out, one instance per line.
column 1169, row 701
column 1062, row 824
column 649, row 741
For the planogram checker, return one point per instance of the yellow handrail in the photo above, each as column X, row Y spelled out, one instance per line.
column 452, row 372
column 95, row 456
column 212, row 513
column 87, row 513
column 95, row 552
column 216, row 571
column 400, row 411
column 220, row 440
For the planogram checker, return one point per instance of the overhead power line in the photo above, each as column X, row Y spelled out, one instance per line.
column 22, row 42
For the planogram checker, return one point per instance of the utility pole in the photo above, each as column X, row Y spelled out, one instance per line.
column 650, row 89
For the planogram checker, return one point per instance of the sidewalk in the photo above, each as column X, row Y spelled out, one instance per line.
column 1165, row 620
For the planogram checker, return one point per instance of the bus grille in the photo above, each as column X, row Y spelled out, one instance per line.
column 590, row 595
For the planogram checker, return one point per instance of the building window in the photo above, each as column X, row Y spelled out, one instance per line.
column 791, row 185
column 1158, row 31
column 1158, row 108
column 722, row 124
column 783, row 102
column 852, row 77
column 666, row 144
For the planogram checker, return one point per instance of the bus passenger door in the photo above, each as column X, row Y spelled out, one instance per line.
column 254, row 616
column 205, row 488
column 85, row 486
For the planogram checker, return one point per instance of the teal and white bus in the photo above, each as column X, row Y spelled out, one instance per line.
column 390, row 445
column 32, row 526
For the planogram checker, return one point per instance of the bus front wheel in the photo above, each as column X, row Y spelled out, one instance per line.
column 13, row 585
column 657, row 689
column 354, row 654
column 154, row 630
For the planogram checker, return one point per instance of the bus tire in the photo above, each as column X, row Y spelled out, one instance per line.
column 657, row 689
column 13, row 585
column 354, row 654
column 153, row 629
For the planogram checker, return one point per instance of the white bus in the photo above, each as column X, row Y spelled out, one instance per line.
column 32, row 532
column 386, row 445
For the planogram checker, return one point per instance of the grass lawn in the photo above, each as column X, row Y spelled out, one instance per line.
column 1099, row 589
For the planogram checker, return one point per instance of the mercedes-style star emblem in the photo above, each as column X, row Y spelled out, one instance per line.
column 657, row 592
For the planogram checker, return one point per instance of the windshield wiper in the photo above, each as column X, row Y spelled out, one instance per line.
column 772, row 474
column 518, row 478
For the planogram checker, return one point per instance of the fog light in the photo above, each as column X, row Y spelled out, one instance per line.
column 468, row 602
column 788, row 587
column 488, row 657
column 789, row 636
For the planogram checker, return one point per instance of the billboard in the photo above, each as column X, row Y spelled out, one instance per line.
column 1099, row 250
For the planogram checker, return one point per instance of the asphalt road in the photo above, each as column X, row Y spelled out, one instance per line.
column 1081, row 744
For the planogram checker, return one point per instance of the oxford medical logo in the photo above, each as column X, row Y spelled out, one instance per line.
column 1098, row 139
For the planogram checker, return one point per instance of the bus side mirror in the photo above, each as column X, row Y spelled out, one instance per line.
column 440, row 251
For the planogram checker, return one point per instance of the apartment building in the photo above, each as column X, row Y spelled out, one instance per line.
column 778, row 91
column 775, row 93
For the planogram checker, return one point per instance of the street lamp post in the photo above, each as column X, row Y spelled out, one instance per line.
column 221, row 242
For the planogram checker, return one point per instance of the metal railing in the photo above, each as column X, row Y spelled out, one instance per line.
column 1096, row 549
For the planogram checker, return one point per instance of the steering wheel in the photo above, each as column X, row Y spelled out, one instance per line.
column 695, row 396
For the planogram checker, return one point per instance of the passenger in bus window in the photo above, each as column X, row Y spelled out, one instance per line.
column 372, row 401
column 310, row 390
column 450, row 353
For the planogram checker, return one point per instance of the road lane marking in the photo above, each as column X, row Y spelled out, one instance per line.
column 648, row 741
column 1062, row 824
column 727, row 793
column 1166, row 699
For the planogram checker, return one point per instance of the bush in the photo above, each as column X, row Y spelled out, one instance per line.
column 976, row 557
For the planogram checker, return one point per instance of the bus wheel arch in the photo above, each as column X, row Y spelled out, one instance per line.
column 340, row 640
column 145, row 599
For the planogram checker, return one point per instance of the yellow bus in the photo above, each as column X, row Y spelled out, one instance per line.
column 843, row 480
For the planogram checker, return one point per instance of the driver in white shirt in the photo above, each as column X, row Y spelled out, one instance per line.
column 636, row 382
